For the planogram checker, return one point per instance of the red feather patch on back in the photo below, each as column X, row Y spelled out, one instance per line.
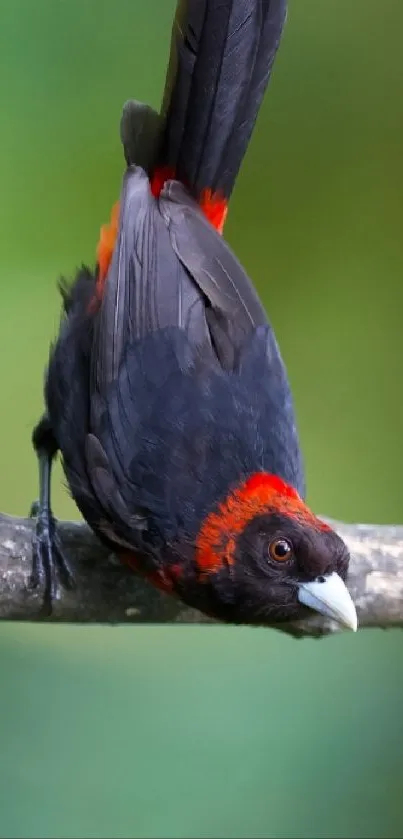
column 258, row 495
column 214, row 207
column 159, row 178
column 105, row 248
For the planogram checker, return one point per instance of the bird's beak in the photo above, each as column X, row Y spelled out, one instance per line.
column 330, row 596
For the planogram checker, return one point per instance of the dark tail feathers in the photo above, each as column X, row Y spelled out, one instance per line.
column 221, row 59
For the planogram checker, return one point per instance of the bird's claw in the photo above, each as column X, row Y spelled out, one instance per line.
column 50, row 568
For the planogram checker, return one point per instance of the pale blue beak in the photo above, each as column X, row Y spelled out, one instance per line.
column 330, row 596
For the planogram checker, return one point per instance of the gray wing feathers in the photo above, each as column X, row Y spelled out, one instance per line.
column 170, row 267
column 146, row 288
column 113, row 324
column 209, row 260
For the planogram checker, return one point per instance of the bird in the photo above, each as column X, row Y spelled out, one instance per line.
column 165, row 392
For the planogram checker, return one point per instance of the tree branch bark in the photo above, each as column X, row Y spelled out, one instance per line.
column 106, row 592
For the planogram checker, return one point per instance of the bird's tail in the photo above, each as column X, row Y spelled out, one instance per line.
column 221, row 59
column 222, row 54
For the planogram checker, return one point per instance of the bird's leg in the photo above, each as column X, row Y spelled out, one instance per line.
column 50, row 567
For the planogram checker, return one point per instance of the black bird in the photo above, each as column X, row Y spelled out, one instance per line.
column 166, row 393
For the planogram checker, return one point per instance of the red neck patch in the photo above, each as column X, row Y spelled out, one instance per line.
column 259, row 494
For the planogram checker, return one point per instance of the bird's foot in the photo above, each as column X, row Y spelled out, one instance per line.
column 50, row 568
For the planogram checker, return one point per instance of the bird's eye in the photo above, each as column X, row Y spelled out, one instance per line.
column 280, row 549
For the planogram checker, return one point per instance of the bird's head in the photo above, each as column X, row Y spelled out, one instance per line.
column 268, row 557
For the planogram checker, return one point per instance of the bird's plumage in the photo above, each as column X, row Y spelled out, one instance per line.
column 166, row 392
column 186, row 389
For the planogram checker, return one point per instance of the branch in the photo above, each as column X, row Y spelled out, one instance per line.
column 106, row 592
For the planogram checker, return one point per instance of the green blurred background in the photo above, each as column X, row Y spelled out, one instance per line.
column 212, row 732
